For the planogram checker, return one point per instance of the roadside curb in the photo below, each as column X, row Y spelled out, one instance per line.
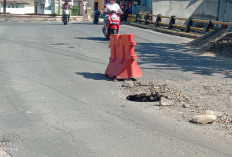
column 29, row 18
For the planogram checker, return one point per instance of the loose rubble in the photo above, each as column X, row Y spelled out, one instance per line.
column 215, row 113
column 215, row 42
column 186, row 105
column 4, row 154
column 165, row 102
column 128, row 84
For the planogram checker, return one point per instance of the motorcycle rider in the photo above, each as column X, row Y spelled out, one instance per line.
column 66, row 6
column 111, row 6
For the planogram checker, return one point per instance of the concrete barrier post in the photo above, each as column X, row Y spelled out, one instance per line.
column 158, row 19
column 188, row 24
column 136, row 17
column 208, row 26
column 171, row 22
column 146, row 18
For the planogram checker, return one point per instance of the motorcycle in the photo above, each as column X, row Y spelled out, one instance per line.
column 112, row 25
column 65, row 16
column 96, row 16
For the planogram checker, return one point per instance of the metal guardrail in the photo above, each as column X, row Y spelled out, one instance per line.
column 195, row 27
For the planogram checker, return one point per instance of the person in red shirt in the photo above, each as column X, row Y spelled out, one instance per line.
column 66, row 5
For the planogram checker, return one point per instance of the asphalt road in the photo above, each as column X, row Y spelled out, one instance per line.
column 56, row 102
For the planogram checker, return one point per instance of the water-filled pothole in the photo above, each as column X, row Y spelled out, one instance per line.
column 144, row 97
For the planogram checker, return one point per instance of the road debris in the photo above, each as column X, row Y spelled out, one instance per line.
column 216, row 42
column 209, row 98
column 203, row 119
column 165, row 102
column 215, row 113
column 128, row 84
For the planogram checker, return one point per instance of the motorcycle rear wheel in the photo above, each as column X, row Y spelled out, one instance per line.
column 113, row 31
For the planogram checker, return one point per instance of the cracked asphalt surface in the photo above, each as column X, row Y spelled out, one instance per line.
column 55, row 97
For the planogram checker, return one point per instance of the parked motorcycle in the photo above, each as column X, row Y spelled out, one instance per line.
column 65, row 16
column 96, row 16
column 112, row 25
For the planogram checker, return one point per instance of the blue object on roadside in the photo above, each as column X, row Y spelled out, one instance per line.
column 230, row 27
column 96, row 16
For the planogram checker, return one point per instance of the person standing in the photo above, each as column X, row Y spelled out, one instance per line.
column 66, row 6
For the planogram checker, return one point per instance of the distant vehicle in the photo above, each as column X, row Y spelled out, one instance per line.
column 112, row 26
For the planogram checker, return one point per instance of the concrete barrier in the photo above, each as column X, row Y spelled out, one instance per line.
column 188, row 27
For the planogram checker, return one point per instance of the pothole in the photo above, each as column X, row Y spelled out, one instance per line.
column 143, row 97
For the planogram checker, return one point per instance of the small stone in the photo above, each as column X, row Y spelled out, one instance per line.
column 186, row 105
column 152, row 98
column 151, row 83
column 203, row 119
column 4, row 154
column 215, row 113
column 165, row 102
column 184, row 116
column 128, row 84
column 168, row 97
column 187, row 98
column 144, row 83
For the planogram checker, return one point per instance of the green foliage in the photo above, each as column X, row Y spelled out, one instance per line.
column 75, row 10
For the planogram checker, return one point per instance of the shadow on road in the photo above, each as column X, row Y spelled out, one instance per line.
column 93, row 38
column 177, row 57
column 94, row 76
column 91, row 23
column 70, row 23
column 85, row 23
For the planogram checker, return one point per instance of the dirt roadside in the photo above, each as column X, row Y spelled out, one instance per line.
column 217, row 43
